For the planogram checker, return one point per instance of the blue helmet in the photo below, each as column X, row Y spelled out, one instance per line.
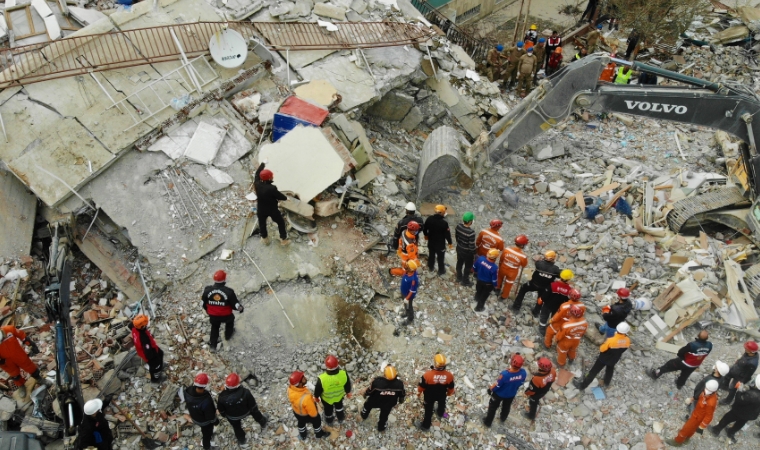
column 541, row 40
column 499, row 47
column 599, row 26
column 520, row 44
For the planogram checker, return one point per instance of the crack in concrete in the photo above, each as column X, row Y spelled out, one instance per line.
column 41, row 103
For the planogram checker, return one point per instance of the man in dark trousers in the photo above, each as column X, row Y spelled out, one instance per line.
column 486, row 277
column 689, row 358
column 436, row 384
column 146, row 347
column 383, row 393
column 332, row 385
column 438, row 234
column 201, row 407
column 720, row 370
column 746, row 407
column 411, row 215
column 94, row 430
column 541, row 281
column 218, row 302
column 504, row 390
column 539, row 386
column 465, row 237
column 235, row 403
column 616, row 313
column 740, row 372
column 559, row 294
column 590, row 10
column 268, row 198
column 609, row 354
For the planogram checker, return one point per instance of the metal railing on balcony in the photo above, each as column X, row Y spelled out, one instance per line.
column 476, row 48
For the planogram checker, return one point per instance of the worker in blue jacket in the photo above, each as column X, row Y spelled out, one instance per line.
column 486, row 276
column 505, row 389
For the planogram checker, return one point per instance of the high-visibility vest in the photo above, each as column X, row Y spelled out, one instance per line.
column 334, row 386
column 623, row 78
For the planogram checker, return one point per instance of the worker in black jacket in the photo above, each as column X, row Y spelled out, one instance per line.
column 741, row 371
column 438, row 234
column 411, row 215
column 690, row 357
column 268, row 196
column 616, row 313
column 201, row 407
column 541, row 281
column 720, row 370
column 235, row 403
column 383, row 393
column 219, row 301
column 746, row 407
column 94, row 430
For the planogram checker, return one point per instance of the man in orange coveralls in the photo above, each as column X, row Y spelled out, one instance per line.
column 570, row 335
column 512, row 260
column 563, row 315
column 489, row 238
column 408, row 249
column 700, row 417
column 13, row 358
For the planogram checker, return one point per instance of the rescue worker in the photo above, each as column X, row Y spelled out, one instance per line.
column 701, row 417
column 541, row 281
column 146, row 347
column 532, row 34
column 304, row 406
column 437, row 233
column 555, row 61
column 486, row 278
column 746, row 407
column 94, row 430
column 409, row 284
column 268, row 198
column 436, row 384
column 411, row 215
column 690, row 356
column 609, row 354
column 512, row 55
column 332, row 385
column 616, row 313
column 13, row 358
column 592, row 39
column 563, row 315
column 219, row 301
column 720, row 370
column 504, row 390
column 741, row 371
column 407, row 248
column 560, row 293
column 623, row 75
column 465, row 237
column 525, row 69
column 608, row 73
column 383, row 393
column 539, row 50
column 633, row 42
column 511, row 264
column 570, row 334
column 490, row 238
column 582, row 52
column 590, row 10
column 552, row 44
column 493, row 62
column 235, row 403
column 201, row 407
column 539, row 386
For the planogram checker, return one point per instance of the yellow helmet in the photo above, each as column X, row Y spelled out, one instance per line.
column 390, row 372
column 439, row 361
column 534, row 27
column 440, row 209
column 412, row 265
column 567, row 275
column 492, row 254
column 550, row 255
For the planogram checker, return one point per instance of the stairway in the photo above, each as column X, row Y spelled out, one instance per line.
column 476, row 48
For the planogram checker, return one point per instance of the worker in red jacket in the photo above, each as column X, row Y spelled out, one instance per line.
column 146, row 347
column 13, row 358
column 219, row 301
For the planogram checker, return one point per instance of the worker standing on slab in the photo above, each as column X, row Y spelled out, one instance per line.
column 411, row 215
column 590, row 10
column 407, row 248
column 490, row 238
column 539, row 386
column 146, row 347
column 525, row 69
column 486, row 278
column 616, row 313
column 701, row 417
column 609, row 354
column 493, row 62
column 592, row 39
column 690, row 356
column 436, row 384
column 235, row 403
column 560, row 293
column 511, row 263
column 540, row 51
column 504, row 390
column 410, row 282
column 383, row 393
column 219, row 301
column 94, row 430
column 746, row 407
column 512, row 55
column 563, row 315
column 437, row 233
column 720, row 370
column 201, row 407
column 532, row 34
column 332, row 385
column 304, row 406
column 466, row 248
column 13, row 358
column 741, row 371
column 268, row 198
column 554, row 42
column 541, row 281
column 555, row 61
column 570, row 334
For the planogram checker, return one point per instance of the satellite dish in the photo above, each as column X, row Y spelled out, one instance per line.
column 228, row 48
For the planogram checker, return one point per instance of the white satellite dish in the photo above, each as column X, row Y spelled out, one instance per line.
column 228, row 48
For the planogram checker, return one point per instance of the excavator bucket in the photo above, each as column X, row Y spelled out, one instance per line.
column 441, row 162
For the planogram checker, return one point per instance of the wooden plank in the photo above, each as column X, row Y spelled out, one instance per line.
column 667, row 297
column 627, row 265
column 687, row 322
column 615, row 198
column 605, row 188
column 608, row 176
column 703, row 240
column 664, row 187
column 579, row 200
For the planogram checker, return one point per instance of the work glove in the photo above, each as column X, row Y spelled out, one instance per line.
column 350, row 395
column 451, row 246
column 700, row 430
column 240, row 308
column 606, row 308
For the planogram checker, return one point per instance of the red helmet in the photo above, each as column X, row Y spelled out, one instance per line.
column 220, row 276
column 576, row 311
column 201, row 380
column 331, row 362
column 623, row 292
column 516, row 361
column 575, row 294
column 544, row 364
column 496, row 224
column 296, row 377
column 750, row 346
column 413, row 226
column 521, row 240
column 266, row 175
column 232, row 381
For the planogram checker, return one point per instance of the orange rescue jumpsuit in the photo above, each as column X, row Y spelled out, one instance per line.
column 700, row 417
column 512, row 259
column 488, row 239
column 14, row 355
column 569, row 338
column 407, row 251
column 561, row 316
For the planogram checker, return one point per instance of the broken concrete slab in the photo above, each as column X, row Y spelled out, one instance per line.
column 104, row 254
column 204, row 178
column 205, row 143
column 354, row 84
column 17, row 212
column 368, row 173
column 394, row 106
column 331, row 11
column 412, row 119
column 301, row 59
column 440, row 162
column 553, row 150
column 319, row 91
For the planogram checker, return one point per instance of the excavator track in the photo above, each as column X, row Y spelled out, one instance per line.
column 687, row 208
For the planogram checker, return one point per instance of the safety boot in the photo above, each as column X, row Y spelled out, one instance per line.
column 285, row 242
column 267, row 240
column 21, row 391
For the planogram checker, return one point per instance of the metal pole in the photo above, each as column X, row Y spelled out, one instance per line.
column 188, row 66
column 145, row 286
column 3, row 125
column 270, row 287
column 525, row 21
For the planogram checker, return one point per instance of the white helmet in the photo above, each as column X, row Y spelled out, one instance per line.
column 757, row 381
column 410, row 207
column 711, row 386
column 623, row 328
column 722, row 368
column 93, row 406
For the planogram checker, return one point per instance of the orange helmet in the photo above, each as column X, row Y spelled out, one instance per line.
column 439, row 361
column 140, row 321
column 390, row 372
column 521, row 240
column 492, row 254
column 440, row 209
column 550, row 255
column 558, row 50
